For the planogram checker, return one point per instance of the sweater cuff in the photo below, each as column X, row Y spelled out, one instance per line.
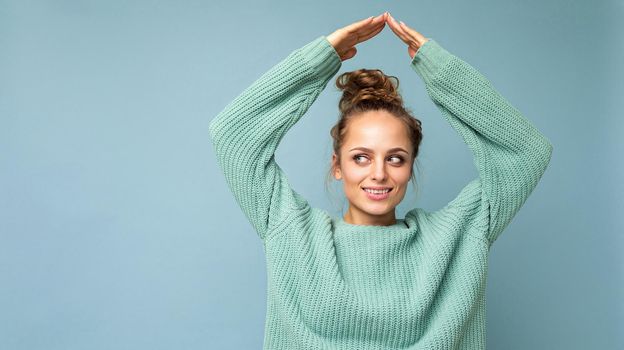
column 321, row 56
column 429, row 59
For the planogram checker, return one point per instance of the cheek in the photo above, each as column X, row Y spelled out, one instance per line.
column 401, row 178
column 353, row 179
column 403, row 175
column 353, row 174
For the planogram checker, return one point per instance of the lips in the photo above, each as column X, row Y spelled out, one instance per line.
column 385, row 190
column 377, row 196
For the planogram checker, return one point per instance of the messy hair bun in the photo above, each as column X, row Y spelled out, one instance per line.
column 370, row 89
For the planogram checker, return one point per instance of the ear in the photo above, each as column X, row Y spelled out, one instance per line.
column 336, row 167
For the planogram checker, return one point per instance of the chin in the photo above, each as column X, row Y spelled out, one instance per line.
column 377, row 209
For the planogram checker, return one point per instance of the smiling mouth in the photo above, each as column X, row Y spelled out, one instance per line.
column 373, row 191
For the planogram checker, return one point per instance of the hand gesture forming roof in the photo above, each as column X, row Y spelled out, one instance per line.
column 344, row 39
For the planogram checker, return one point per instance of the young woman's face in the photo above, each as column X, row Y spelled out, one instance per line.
column 376, row 153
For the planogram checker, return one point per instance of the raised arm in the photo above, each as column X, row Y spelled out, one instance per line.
column 510, row 154
column 247, row 132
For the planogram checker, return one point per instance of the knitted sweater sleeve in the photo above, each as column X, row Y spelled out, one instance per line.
column 247, row 132
column 510, row 154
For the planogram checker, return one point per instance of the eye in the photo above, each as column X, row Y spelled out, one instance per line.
column 400, row 159
column 357, row 156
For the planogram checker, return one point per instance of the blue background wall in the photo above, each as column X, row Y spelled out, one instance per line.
column 117, row 230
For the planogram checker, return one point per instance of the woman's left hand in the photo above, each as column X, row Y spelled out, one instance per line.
column 412, row 38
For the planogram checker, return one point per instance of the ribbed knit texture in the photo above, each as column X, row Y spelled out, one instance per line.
column 417, row 284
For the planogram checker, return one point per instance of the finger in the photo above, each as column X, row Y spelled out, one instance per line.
column 371, row 34
column 366, row 27
column 407, row 36
column 359, row 24
column 414, row 34
column 349, row 54
column 363, row 32
column 396, row 28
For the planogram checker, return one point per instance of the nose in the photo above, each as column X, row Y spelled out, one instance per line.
column 379, row 171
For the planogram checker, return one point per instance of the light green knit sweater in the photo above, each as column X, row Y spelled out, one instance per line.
column 417, row 284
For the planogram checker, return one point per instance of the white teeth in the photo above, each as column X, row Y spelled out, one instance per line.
column 376, row 191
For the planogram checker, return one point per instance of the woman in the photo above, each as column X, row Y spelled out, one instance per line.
column 368, row 280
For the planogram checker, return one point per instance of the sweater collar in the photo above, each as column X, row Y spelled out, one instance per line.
column 340, row 225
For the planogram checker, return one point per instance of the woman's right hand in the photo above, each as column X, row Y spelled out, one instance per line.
column 344, row 39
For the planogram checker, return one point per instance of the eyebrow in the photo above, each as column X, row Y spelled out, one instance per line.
column 371, row 151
